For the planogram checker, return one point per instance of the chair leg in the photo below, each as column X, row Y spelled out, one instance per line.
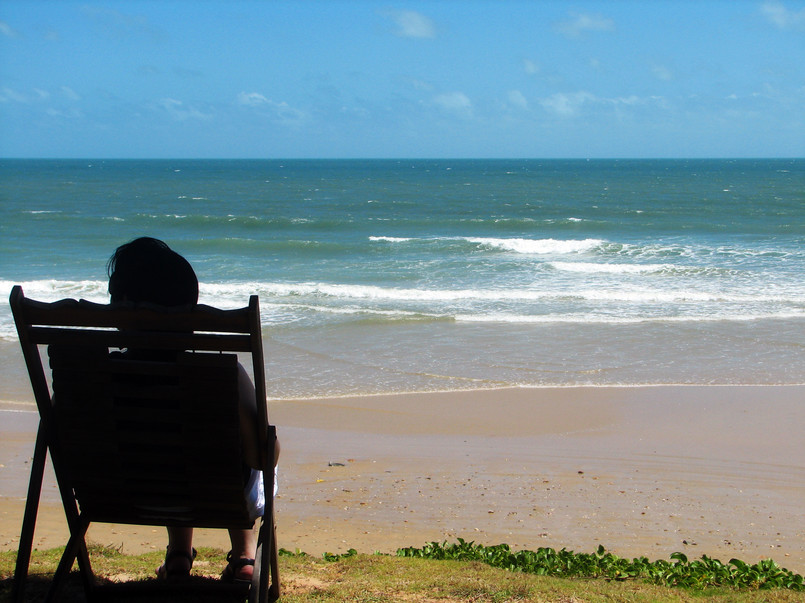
column 29, row 519
column 256, row 592
column 274, row 589
column 76, row 548
column 265, row 581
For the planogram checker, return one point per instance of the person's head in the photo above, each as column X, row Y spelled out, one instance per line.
column 147, row 270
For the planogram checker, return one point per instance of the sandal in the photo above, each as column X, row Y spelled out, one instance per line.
column 164, row 571
column 235, row 565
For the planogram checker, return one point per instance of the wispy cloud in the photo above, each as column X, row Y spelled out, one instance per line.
column 584, row 22
column 280, row 111
column 181, row 112
column 566, row 105
column 456, row 103
column 70, row 94
column 36, row 95
column 9, row 94
column 421, row 85
column 779, row 15
column 411, row 24
column 71, row 113
column 251, row 99
column 530, row 67
column 517, row 99
column 574, row 103
column 122, row 24
column 7, row 30
column 661, row 72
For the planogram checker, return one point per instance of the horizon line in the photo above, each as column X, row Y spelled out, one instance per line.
column 625, row 158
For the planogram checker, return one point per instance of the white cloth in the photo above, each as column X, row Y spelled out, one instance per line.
column 255, row 493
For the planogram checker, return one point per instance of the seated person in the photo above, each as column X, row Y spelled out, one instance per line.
column 147, row 270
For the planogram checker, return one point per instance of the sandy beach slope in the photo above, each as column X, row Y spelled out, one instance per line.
column 715, row 470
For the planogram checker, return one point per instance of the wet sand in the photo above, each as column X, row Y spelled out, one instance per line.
column 707, row 470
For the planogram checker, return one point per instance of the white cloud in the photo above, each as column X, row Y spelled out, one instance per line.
column 454, row 102
column 66, row 114
column 180, row 112
column 585, row 22
column 8, row 94
column 412, row 24
column 662, row 72
column 119, row 23
column 281, row 111
column 782, row 17
column 36, row 95
column 287, row 114
column 531, row 68
column 517, row 99
column 7, row 30
column 567, row 104
column 570, row 104
column 70, row 93
column 629, row 100
column 251, row 99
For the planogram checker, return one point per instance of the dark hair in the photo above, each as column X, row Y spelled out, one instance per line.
column 147, row 270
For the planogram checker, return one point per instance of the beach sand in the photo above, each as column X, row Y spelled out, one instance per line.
column 706, row 470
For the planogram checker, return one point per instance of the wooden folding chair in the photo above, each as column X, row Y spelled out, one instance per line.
column 141, row 422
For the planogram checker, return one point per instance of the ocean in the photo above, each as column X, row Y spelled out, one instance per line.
column 380, row 276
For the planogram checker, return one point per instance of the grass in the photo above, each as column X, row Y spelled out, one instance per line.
column 436, row 573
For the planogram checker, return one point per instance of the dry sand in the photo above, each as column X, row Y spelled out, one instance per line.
column 707, row 470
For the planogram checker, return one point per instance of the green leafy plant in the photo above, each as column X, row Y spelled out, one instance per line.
column 679, row 571
column 339, row 557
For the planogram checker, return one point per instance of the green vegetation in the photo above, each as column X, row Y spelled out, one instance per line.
column 451, row 573
column 680, row 571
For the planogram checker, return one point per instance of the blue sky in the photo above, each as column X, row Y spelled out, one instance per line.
column 363, row 78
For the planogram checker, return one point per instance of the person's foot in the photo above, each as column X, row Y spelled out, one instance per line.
column 240, row 569
column 177, row 564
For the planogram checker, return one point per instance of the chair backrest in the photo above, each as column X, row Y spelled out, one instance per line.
column 141, row 411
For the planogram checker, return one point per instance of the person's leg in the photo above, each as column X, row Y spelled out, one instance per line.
column 241, row 558
column 180, row 554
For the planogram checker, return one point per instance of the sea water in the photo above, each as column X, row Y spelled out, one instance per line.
column 409, row 275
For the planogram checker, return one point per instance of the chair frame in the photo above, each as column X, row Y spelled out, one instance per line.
column 126, row 326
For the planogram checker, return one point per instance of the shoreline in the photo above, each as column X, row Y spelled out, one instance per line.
column 713, row 470
column 30, row 405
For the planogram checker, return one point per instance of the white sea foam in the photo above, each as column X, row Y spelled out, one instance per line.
column 390, row 239
column 47, row 290
column 54, row 289
column 308, row 303
column 611, row 268
column 628, row 252
column 538, row 246
column 590, row 318
column 347, row 292
column 517, row 245
column 236, row 294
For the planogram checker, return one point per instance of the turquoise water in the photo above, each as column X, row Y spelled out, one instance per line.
column 383, row 275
